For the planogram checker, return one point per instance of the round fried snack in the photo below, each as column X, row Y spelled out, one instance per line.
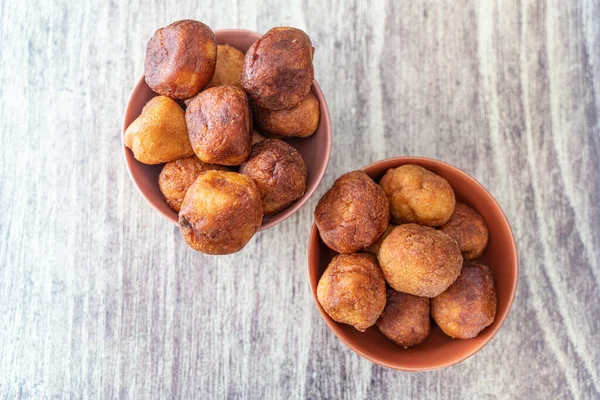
column 159, row 134
column 220, row 212
column 405, row 318
column 279, row 172
column 278, row 69
column 352, row 290
column 353, row 214
column 418, row 195
column 180, row 59
column 220, row 125
column 300, row 121
column 228, row 72
column 177, row 176
column 374, row 248
column 419, row 260
column 468, row 228
column 469, row 305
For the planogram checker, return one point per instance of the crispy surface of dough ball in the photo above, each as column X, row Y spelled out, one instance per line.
column 418, row 195
column 228, row 71
column 180, row 59
column 279, row 172
column 220, row 212
column 405, row 318
column 220, row 125
column 469, row 229
column 468, row 305
column 278, row 69
column 300, row 121
column 159, row 134
column 353, row 214
column 419, row 260
column 177, row 176
column 352, row 290
column 374, row 248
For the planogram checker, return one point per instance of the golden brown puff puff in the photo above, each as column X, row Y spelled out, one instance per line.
column 405, row 318
column 300, row 121
column 278, row 69
column 374, row 248
column 220, row 212
column 228, row 71
column 418, row 195
column 177, row 176
column 220, row 125
column 469, row 229
column 468, row 305
column 419, row 260
column 353, row 214
column 159, row 134
column 180, row 59
column 279, row 172
column 352, row 290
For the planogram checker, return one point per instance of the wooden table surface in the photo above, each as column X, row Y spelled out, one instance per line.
column 101, row 298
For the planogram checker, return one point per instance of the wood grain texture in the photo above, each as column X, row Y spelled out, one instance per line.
column 101, row 298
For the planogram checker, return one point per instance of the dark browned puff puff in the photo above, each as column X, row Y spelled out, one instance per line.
column 353, row 214
column 468, row 228
column 220, row 125
column 419, row 260
column 278, row 70
column 180, row 59
column 405, row 318
column 279, row 172
column 300, row 121
column 177, row 176
column 469, row 305
column 352, row 290
column 221, row 211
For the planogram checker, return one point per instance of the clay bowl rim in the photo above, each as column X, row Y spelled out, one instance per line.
column 501, row 315
column 324, row 119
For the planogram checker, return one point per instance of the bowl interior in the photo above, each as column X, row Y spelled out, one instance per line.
column 315, row 150
column 438, row 350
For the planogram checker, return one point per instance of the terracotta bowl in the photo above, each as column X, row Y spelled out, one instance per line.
column 438, row 350
column 315, row 150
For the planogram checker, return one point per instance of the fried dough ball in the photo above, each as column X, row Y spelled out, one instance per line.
column 405, row 318
column 468, row 305
column 220, row 125
column 278, row 69
column 468, row 228
column 180, row 59
column 159, row 134
column 279, row 172
column 300, row 121
column 418, row 195
column 419, row 260
column 353, row 214
column 177, row 176
column 352, row 290
column 220, row 212
column 228, row 71
column 374, row 248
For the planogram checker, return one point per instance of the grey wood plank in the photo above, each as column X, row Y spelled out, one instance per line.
column 101, row 298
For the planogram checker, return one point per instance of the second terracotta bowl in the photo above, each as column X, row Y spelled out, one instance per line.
column 438, row 350
column 315, row 150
